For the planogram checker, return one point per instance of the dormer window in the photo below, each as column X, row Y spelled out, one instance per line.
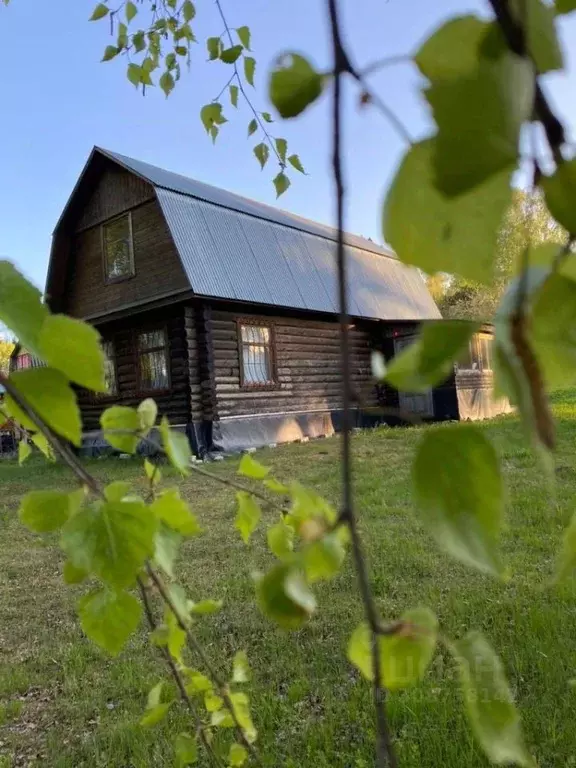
column 118, row 249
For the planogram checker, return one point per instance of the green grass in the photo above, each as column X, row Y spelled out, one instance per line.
column 64, row 703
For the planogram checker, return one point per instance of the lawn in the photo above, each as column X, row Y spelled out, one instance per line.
column 64, row 703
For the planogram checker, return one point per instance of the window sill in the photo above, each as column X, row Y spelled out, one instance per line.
column 122, row 279
column 259, row 387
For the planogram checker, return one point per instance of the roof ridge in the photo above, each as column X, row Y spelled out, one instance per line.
column 165, row 179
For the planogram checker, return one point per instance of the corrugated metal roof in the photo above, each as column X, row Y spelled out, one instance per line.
column 235, row 248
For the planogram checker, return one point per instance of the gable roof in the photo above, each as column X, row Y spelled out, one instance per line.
column 235, row 248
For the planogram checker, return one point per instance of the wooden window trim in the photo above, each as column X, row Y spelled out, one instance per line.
column 151, row 328
column 260, row 323
column 121, row 278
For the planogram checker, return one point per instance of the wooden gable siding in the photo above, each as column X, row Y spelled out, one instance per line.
column 157, row 265
column 307, row 364
column 175, row 402
column 117, row 191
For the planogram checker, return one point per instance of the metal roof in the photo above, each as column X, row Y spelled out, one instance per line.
column 235, row 248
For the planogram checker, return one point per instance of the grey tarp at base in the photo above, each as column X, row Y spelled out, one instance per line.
column 233, row 435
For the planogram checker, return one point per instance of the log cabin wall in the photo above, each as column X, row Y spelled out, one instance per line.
column 158, row 269
column 175, row 401
column 307, row 363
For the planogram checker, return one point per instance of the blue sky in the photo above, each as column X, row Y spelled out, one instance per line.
column 58, row 100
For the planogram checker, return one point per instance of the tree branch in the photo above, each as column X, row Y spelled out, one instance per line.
column 514, row 35
column 214, row 759
column 384, row 749
column 197, row 648
column 269, row 139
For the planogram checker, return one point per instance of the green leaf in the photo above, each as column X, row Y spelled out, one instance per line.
column 99, row 12
column 222, row 718
column 437, row 234
column 131, row 11
column 249, row 467
column 565, row 6
column 560, row 192
column 537, row 19
column 285, row 597
column 21, row 309
column 211, row 115
column 111, row 540
column 281, row 183
column 240, row 706
column 48, row 394
column 41, row 442
column 155, row 715
column 323, row 558
column 453, row 50
column 73, row 347
column 240, row 668
column 44, row 511
column 139, row 41
column 244, row 36
column 252, row 127
column 276, row 487
column 459, row 493
column 234, row 95
column 175, row 513
column 188, row 10
column 167, row 83
column 566, row 563
column 280, row 539
column 109, row 618
column 405, row 653
column 553, row 323
column 186, row 750
column 294, row 85
column 166, row 545
column 206, row 607
column 155, row 695
column 197, row 682
column 489, row 701
column 262, row 153
column 294, row 161
column 147, row 413
column 479, row 117
column 110, row 52
column 237, row 755
column 249, row 69
column 117, row 490
column 267, row 117
column 214, row 45
column 177, row 447
column 153, row 472
column 134, row 74
column 122, row 418
column 212, row 701
column 230, row 55
column 248, row 515
column 176, row 636
column 73, row 575
column 281, row 148
column 24, row 451
column 429, row 360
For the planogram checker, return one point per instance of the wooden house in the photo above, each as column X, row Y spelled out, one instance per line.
column 221, row 308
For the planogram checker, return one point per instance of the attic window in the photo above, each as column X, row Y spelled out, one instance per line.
column 118, row 249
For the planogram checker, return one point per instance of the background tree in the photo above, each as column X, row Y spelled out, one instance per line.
column 6, row 348
column 527, row 221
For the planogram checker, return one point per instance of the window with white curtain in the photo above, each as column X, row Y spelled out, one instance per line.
column 257, row 355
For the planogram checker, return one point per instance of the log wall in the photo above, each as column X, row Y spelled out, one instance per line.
column 307, row 365
column 174, row 402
